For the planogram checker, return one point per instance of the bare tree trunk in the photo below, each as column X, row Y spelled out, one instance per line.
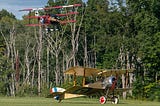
column 74, row 42
column 92, row 60
column 131, row 76
column 123, row 86
column 122, row 61
column 126, row 63
column 64, row 66
column 57, row 73
column 95, row 54
column 56, row 46
column 27, row 61
column 33, row 75
column 48, row 66
column 13, row 57
column 39, row 60
column 128, row 67
column 85, row 51
column 17, row 72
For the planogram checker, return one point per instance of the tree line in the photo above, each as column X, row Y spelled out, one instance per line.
column 119, row 34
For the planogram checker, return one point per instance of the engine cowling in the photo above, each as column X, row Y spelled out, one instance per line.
column 107, row 82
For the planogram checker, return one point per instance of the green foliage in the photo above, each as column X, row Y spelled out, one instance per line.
column 151, row 57
column 6, row 20
column 155, row 8
column 5, row 75
column 4, row 13
column 152, row 91
column 146, row 30
column 138, row 89
column 26, row 90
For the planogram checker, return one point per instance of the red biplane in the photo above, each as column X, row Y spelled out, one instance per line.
column 104, row 84
column 51, row 19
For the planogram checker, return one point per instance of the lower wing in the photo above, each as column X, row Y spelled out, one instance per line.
column 62, row 22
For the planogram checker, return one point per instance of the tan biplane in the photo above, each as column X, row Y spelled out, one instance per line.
column 104, row 84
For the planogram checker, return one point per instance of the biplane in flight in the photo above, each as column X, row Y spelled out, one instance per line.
column 104, row 84
column 51, row 19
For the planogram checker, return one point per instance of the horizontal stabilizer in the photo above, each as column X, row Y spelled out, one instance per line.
column 69, row 95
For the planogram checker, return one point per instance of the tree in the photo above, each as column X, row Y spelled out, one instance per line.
column 146, row 28
column 4, row 13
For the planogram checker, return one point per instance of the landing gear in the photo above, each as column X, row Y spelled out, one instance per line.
column 115, row 100
column 48, row 30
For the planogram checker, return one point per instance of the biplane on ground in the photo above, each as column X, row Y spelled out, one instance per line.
column 51, row 19
column 105, row 84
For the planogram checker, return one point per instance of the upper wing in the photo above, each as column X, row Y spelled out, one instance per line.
column 31, row 9
column 47, row 8
column 83, row 71
column 66, row 6
column 114, row 72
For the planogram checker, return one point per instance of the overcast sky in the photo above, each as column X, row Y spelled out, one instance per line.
column 15, row 5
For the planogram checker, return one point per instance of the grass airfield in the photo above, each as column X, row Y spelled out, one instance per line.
column 40, row 101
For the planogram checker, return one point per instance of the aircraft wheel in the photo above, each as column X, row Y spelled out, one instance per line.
column 115, row 100
column 102, row 100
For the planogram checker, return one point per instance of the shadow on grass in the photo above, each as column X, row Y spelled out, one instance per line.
column 78, row 102
column 122, row 103
column 89, row 102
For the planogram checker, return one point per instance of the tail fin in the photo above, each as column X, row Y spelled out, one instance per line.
column 57, row 89
column 58, row 93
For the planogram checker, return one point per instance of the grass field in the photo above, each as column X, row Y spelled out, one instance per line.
column 37, row 101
